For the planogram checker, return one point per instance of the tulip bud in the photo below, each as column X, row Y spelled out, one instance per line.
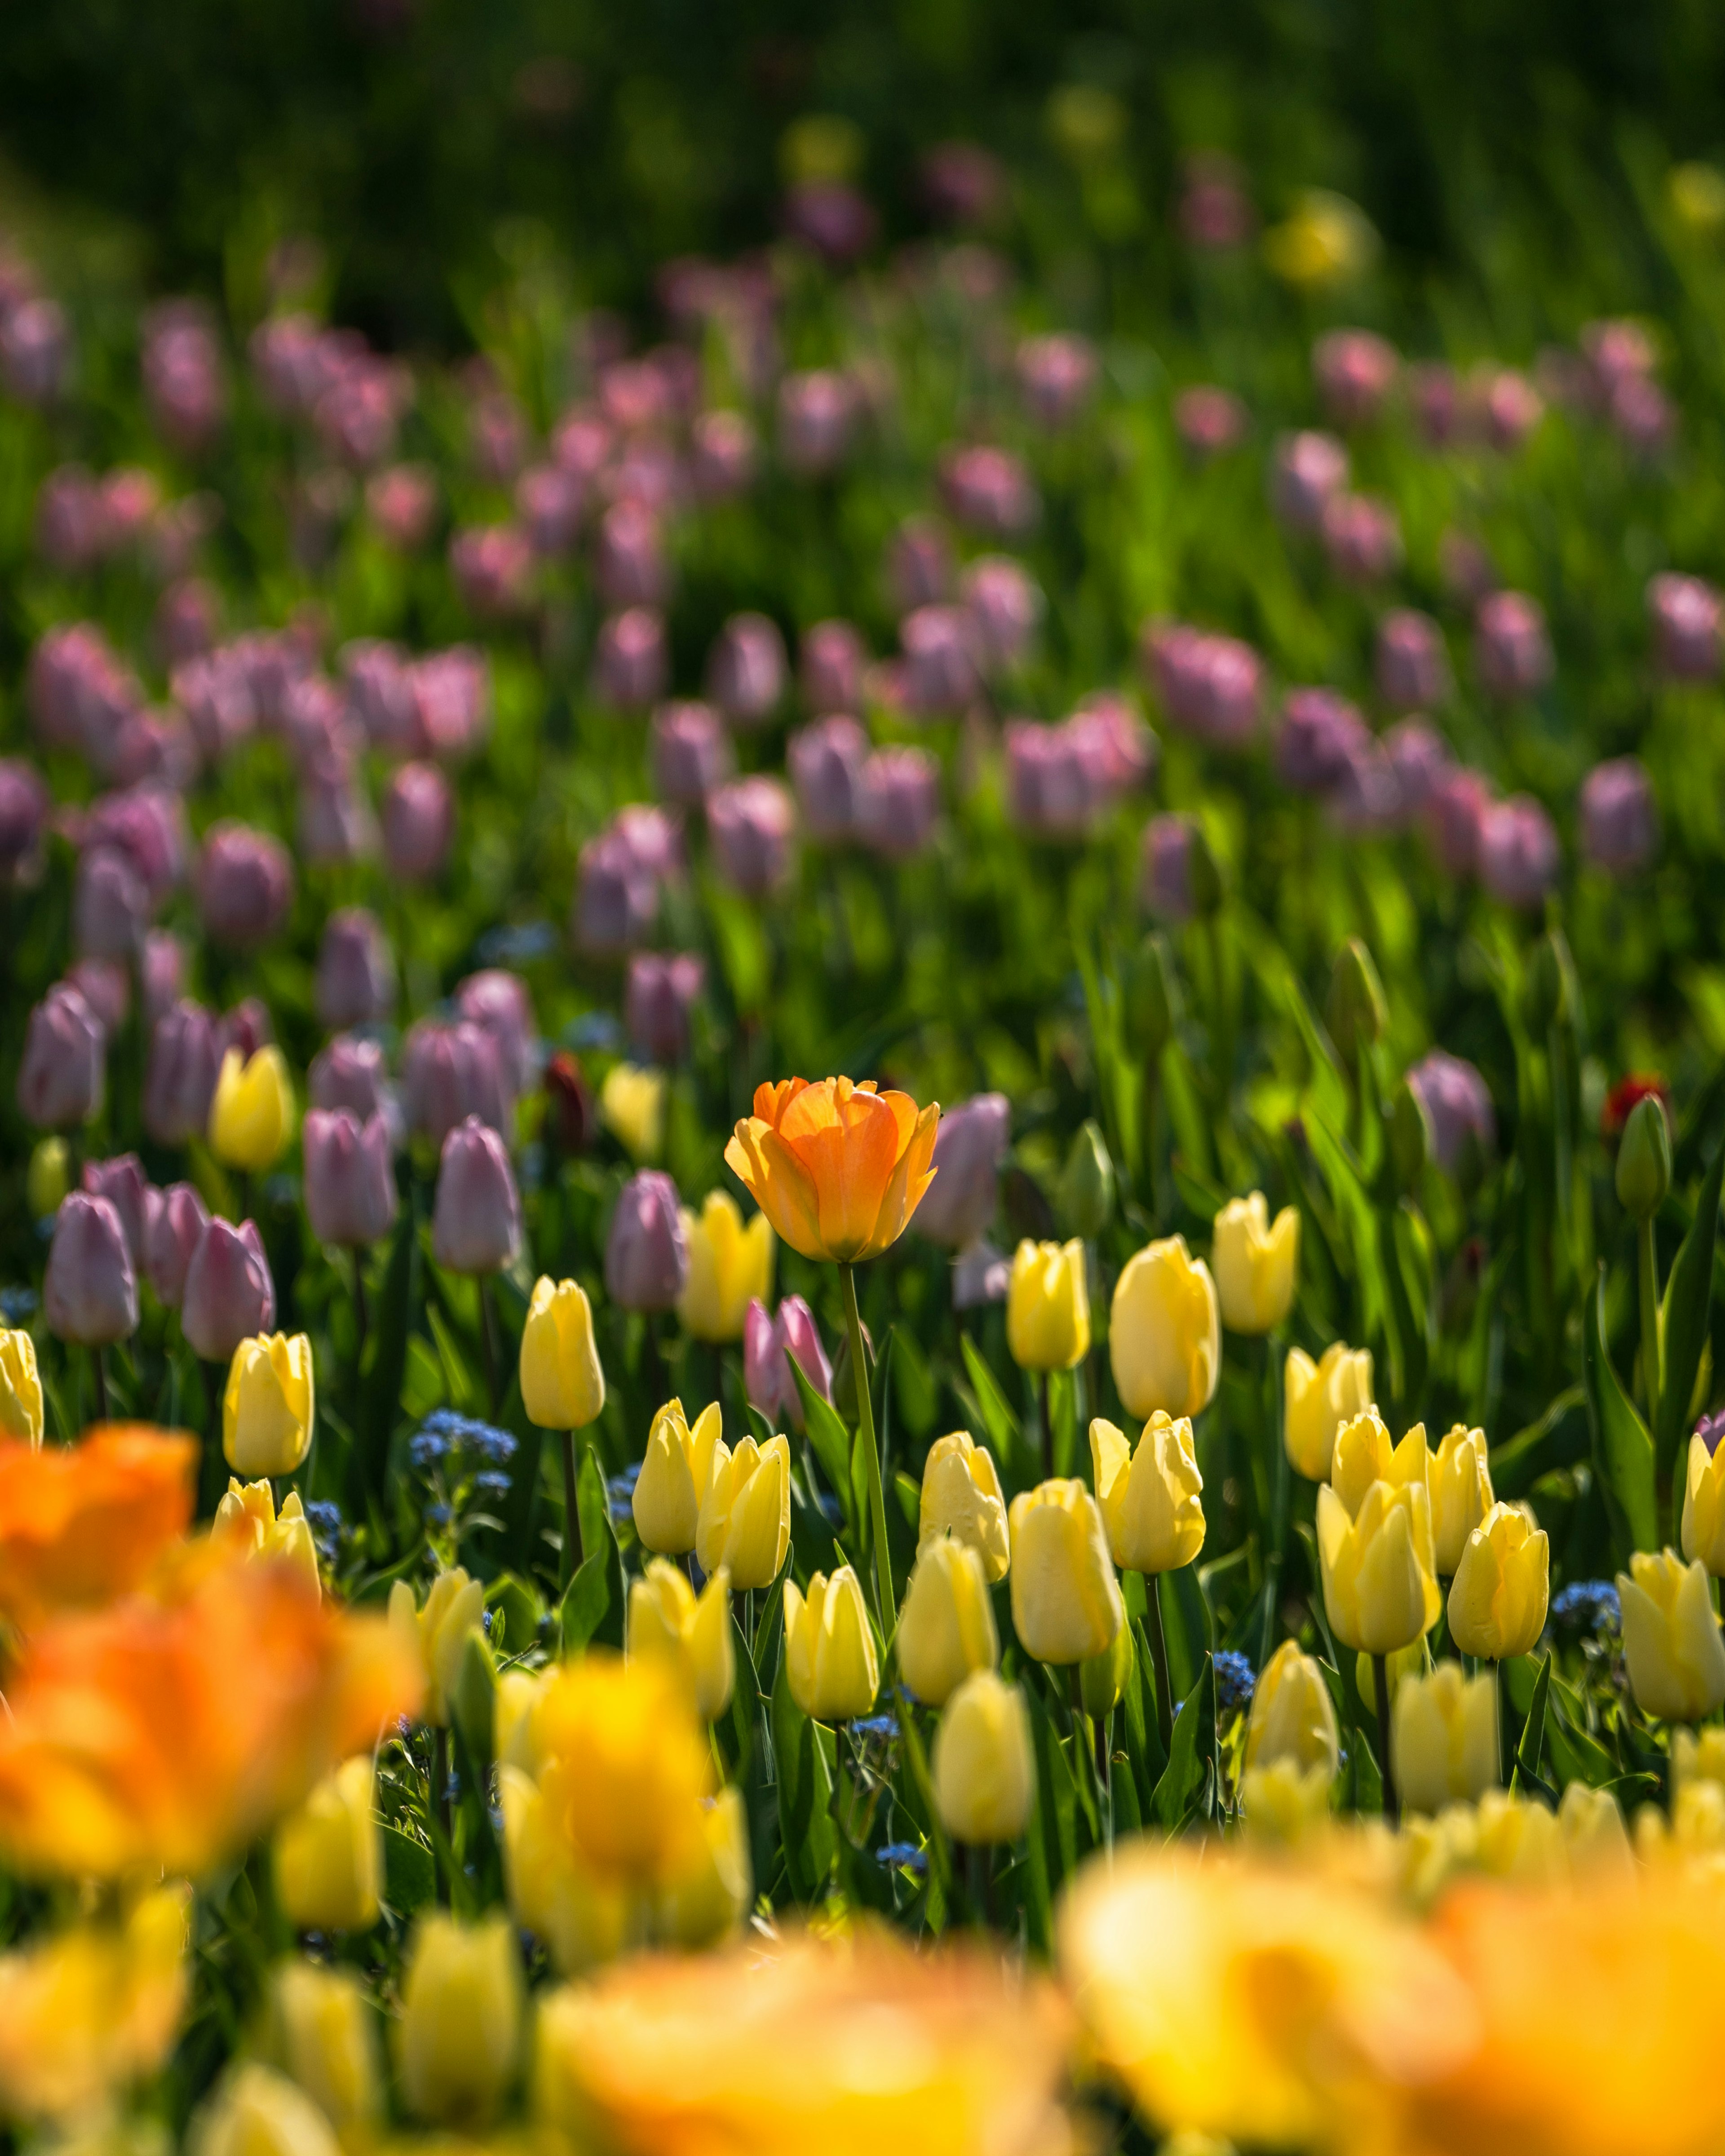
column 710, row 1898
column 1087, row 1186
column 89, row 1292
column 438, row 1635
column 646, row 1250
column 20, row 1388
column 744, row 1521
column 1445, row 1737
column 175, row 1224
column 1048, row 1306
column 674, row 1477
column 1150, row 1499
column 1380, row 1590
column 47, row 1178
column 351, row 1197
column 251, row 1115
column 1643, row 1159
column 830, row 1659
column 60, row 1073
column 632, row 1106
column 1357, row 1014
column 1365, row 1454
column 1257, row 1266
column 1284, row 1805
column 1460, row 1481
column 1293, row 1716
column 1594, row 1836
column 563, row 1384
column 245, row 884
column 228, row 1294
column 355, row 971
column 1703, row 1532
column 1102, row 1678
column 458, row 2042
column 960, row 1203
column 962, row 1497
column 1165, row 1331
column 1497, row 1601
column 694, row 1633
column 449, row 1072
column 984, row 1768
column 325, row 2032
column 730, row 1265
column 946, row 1626
column 768, row 1346
column 246, row 1520
column 329, row 1854
column 473, row 1703
column 179, row 1077
column 256, row 2112
column 476, row 1220
column 1317, row 1398
column 418, row 815
column 1149, row 1002
column 1065, row 1600
column 658, row 999
column 269, row 1404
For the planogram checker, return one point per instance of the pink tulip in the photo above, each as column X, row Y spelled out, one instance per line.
column 1355, row 371
column 476, row 1221
column 122, row 1181
column 180, row 1075
column 356, row 983
column 177, row 1220
column 1412, row 668
column 831, row 661
column 1309, row 471
column 646, row 1250
column 691, row 754
column 418, row 820
column 1518, row 857
column 827, row 762
column 751, row 822
column 245, row 884
column 1057, row 376
column 351, row 1198
column 767, row 1344
column 90, row 1291
column 60, row 1073
column 661, row 990
column 631, row 659
column 452, row 1074
column 1619, row 826
column 969, row 1147
column 501, row 1005
column 1512, row 648
column 746, row 670
column 350, row 1074
column 229, row 1295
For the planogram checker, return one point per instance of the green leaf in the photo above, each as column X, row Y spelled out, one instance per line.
column 381, row 1385
column 1623, row 1451
column 1526, row 1761
column 1056, row 1820
column 592, row 1501
column 805, row 1788
column 587, row 1602
column 828, row 1438
column 1192, row 1755
column 1576, row 1756
column 1687, row 1294
column 1186, row 1627
column 410, row 1872
column 989, row 1405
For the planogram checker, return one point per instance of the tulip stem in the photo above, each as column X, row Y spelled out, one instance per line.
column 1652, row 1377
column 488, row 1346
column 361, row 1314
column 1380, row 1699
column 98, row 1360
column 1158, row 1657
column 574, row 1538
column 440, row 1780
column 885, row 1608
column 1047, row 1430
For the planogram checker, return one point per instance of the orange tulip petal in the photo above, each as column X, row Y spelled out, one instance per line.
column 777, row 1181
column 849, row 1144
column 911, row 1178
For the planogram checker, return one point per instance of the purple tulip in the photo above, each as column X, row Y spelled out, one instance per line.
column 246, row 1027
column 747, row 671
column 832, row 658
column 450, row 1074
column 154, row 749
column 89, row 1292
column 1420, row 758
column 1355, row 371
column 105, row 985
column 617, row 897
column 989, row 489
column 1455, row 814
column 646, row 1251
column 418, row 820
column 500, row 1004
column 661, row 991
column 750, row 822
column 1435, row 395
column 1309, row 471
column 981, row 1275
column 1057, row 376
column 919, row 565
column 817, row 415
column 229, row 1295
column 172, row 1230
column 968, row 1148
column 1118, row 749
column 1687, row 619
column 379, row 694
column 1510, row 408
column 35, row 347
column 179, row 1077
column 146, row 824
column 401, row 503
column 1050, row 789
column 350, row 1074
column 1320, row 731
column 1519, row 860
column 163, row 970
column 963, row 184
column 1211, row 687
column 245, row 884
column 832, row 217
column 630, row 568
column 767, row 1344
column 1620, row 828
column 351, row 1198
column 827, row 761
column 109, row 905
column 940, row 658
column 1208, row 420
column 122, row 1181
column 1362, row 536
column 691, row 754
column 1365, row 797
column 1458, row 1105
column 24, row 803
column 59, row 1076
column 901, row 801
column 452, row 697
column 355, row 971
column 1512, row 649
column 722, row 455
column 1412, row 668
column 631, row 660
column 335, row 822
column 476, row 1222
column 182, row 368
column 491, row 566
column 80, row 693
column 1165, row 870
column 1005, row 603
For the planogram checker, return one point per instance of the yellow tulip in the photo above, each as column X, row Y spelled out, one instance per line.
column 709, row 1900
column 47, row 1178
column 946, row 1626
column 562, row 1385
column 1445, row 1737
column 674, row 1477
column 1048, row 1306
column 1461, row 1494
column 1671, row 1637
column 584, row 1916
column 329, row 1856
column 983, row 1766
column 837, row 1168
column 1698, row 1755
column 666, row 1617
column 962, row 1496
column 1410, row 1661
column 459, row 2041
column 247, row 1517
column 829, row 1658
column 1317, row 1398
column 745, row 1519
column 632, row 1103
column 1293, row 1716
column 519, row 1691
column 1065, row 1600
column 1516, row 1838
column 1257, row 1264
column 1380, row 1591
column 1150, row 1498
column 251, row 1112
column 1326, row 241
column 730, row 1266
column 257, row 2112
column 1165, row 1331
column 1703, row 1532
column 269, row 1405
column 1364, row 1455
column 1594, row 1836
column 1284, row 1804
column 1498, row 1597
column 324, row 2031
column 20, row 1388
column 437, row 1634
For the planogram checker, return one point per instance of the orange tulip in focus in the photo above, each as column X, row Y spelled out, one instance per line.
column 168, row 1732
column 82, row 1524
column 838, row 1168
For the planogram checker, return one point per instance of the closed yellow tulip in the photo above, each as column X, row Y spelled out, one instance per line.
column 1065, row 1600
column 1257, row 1264
column 1151, row 1495
column 1445, row 1737
column 1698, row 1755
column 674, row 1477
column 1293, row 1716
column 1380, row 1591
column 324, row 2031
column 1595, row 1838
column 20, row 1388
column 666, row 1617
column 1317, row 1398
column 519, row 1692
column 269, row 1405
column 1498, row 1597
column 946, row 1627
column 709, row 1899
column 247, row 1518
column 730, row 1265
column 437, row 1634
column 744, row 1520
column 459, row 2041
column 562, row 1385
column 1048, row 1306
column 1460, row 1494
column 1671, row 1637
column 632, row 1103
column 257, row 2112
column 830, row 1659
column 1703, row 1530
column 962, row 1496
column 1284, row 1805
column 583, row 1915
column 1364, row 1454
column 1165, row 1331
column 983, row 1766
column 251, row 1111
column 329, row 1857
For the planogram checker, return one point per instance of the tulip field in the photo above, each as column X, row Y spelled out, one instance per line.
column 861, row 1138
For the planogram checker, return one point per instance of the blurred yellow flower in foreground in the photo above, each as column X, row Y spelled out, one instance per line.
column 247, row 1518
column 459, row 2042
column 324, row 2031
column 1328, row 240
column 329, row 1854
column 436, row 1636
column 693, row 1632
column 83, row 1524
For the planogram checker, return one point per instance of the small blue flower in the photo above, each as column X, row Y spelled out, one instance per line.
column 871, row 1725
column 491, row 1483
column 496, row 1445
column 902, row 1856
column 1235, row 1682
column 831, row 1510
column 439, row 1516
column 1589, row 1606
column 18, row 1304
column 326, row 1523
column 515, row 944
column 620, row 1493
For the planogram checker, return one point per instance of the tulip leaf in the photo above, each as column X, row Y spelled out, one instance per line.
column 380, row 1383
column 1056, row 1800
column 1687, row 1294
column 1623, row 1451
column 410, row 1872
column 986, row 1406
column 803, row 1754
column 1192, row 1756
column 828, row 1439
column 1186, row 1622
column 587, row 1602
column 1559, row 1438
column 1575, row 1755
column 1143, row 1742
column 1527, row 1760
column 1040, row 1881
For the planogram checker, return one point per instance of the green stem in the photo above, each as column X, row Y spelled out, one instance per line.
column 1653, row 1376
column 1280, row 1496
column 1048, row 1466
column 885, row 1609
column 1380, row 1696
column 1222, row 1031
column 1159, row 1658
column 99, row 1362
column 574, row 1538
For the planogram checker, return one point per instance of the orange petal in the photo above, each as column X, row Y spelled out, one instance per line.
column 776, row 1180
column 772, row 1099
column 849, row 1153
column 909, row 1180
column 906, row 1114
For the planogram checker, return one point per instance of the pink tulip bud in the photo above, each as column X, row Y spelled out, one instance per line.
column 476, row 1223
column 501, row 1005
column 356, row 981
column 402, row 505
column 691, row 752
column 646, row 1250
column 90, row 1291
column 831, row 661
column 1209, row 421
column 724, row 455
column 901, row 801
column 452, row 697
column 1642, row 414
column 492, row 568
column 1355, row 371
column 351, row 1074
column 1620, row 828
column 1118, row 750
column 182, row 369
column 35, row 349
column 498, row 437
column 969, row 1146
column 229, row 1295
column 245, row 884
column 147, row 825
column 940, row 658
column 1319, row 732
column 817, row 415
column 1005, row 605
column 827, row 761
column 1211, row 687
column 351, row 1198
column 617, row 897
column 631, row 661
column 661, row 990
column 768, row 1343
column 109, row 905
column 549, row 498
column 751, row 822
column 80, row 693
column 24, row 803
column 1362, row 537
column 832, row 217
column 418, row 820
column 1687, row 615
column 175, row 1224
column 1512, row 649
column 1412, row 668
column 963, row 184
column 746, row 670
column 1164, row 871
column 630, row 568
column 981, row 1275
column 1458, row 1105
column 1215, row 211
column 1309, row 469
column 163, row 971
column 60, row 1073
column 989, row 489
column 105, row 985
column 1518, row 857
column 1057, row 377
column 1050, row 789
column 1435, row 395
column 379, row 680
column 920, row 570
column 122, row 1181
column 1510, row 408
column 180, row 1077
column 187, row 620
column 1421, row 761
column 451, row 1074
column 72, row 528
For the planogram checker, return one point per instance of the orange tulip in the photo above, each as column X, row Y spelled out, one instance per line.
column 168, row 1732
column 838, row 1168
column 81, row 1524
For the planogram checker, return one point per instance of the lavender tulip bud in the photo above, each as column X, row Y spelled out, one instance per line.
column 163, row 969
column 1355, row 371
column 767, row 1344
column 1211, row 687
column 1412, row 668
column 1057, row 376
column 105, row 985
column 109, row 905
column 35, row 349
column 962, row 184
column 1365, row 797
column 1620, row 828
column 660, row 993
column 1420, row 758
column 147, row 825
column 1512, row 649
column 1165, row 871
column 832, row 217
column 1308, row 471
column 335, row 822
column 122, row 1181
column 722, row 455
column 350, row 1074
column 832, row 659
column 919, row 564
column 1116, row 748
column 747, row 671
column 1319, row 732
column 989, row 489
column 646, row 1250
column 492, row 568
column 24, row 803
column 245, row 884
column 1510, row 408
column 60, row 1073
column 1435, row 395
column 1455, row 820
column 246, row 1027
column 617, row 896
column 981, row 1275
column 89, row 1292
column 355, row 971
column 379, row 694
column 229, row 1295
column 180, row 365
column 631, row 660
column 476, row 1223
column 1005, row 605
column 177, row 1220
column 901, row 801
column 501, row 1005
column 827, row 761
column 451, row 1075
column 1519, row 860
column 691, row 754
column 750, row 822
column 940, row 658
column 351, row 1197
column 1687, row 619
column 402, row 504
column 1049, row 792
column 629, row 566
column 1362, row 537
column 1209, row 421
column 1458, row 1107
column 418, row 820
column 960, row 1203
column 817, row 414
column 179, row 1077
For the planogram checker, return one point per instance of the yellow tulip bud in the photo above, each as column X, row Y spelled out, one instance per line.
column 730, row 1265
column 1257, row 1264
column 1317, row 1398
column 1698, row 195
column 946, row 1627
column 1594, row 1836
column 48, row 1177
column 1671, row 1637
column 1065, row 1600
column 1698, row 1755
column 562, row 1385
column 1285, row 1803
column 1048, row 1306
column 1410, row 1661
column 1103, row 1679
column 674, row 1477
column 632, row 1104
column 248, row 1518
column 666, row 1617
column 1703, row 1532
column 1326, row 241
column 1462, row 1496
column 1293, row 1716
column 1165, row 1331
column 325, row 2033
column 268, row 1410
column 962, row 1496
column 251, row 1112
column 1445, row 1737
column 459, row 2041
column 438, row 1634
column 829, row 1658
column 583, row 1918
column 257, row 2112
column 20, row 1388
column 1516, row 1838
column 1497, row 1600
column 707, row 1901
column 1364, row 1455
column 519, row 1691
column 1150, row 1498
column 745, row 1519
column 1380, row 1591
column 329, row 1859
column 983, row 1766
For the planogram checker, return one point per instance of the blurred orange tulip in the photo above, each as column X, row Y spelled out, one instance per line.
column 838, row 1168
column 82, row 1524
